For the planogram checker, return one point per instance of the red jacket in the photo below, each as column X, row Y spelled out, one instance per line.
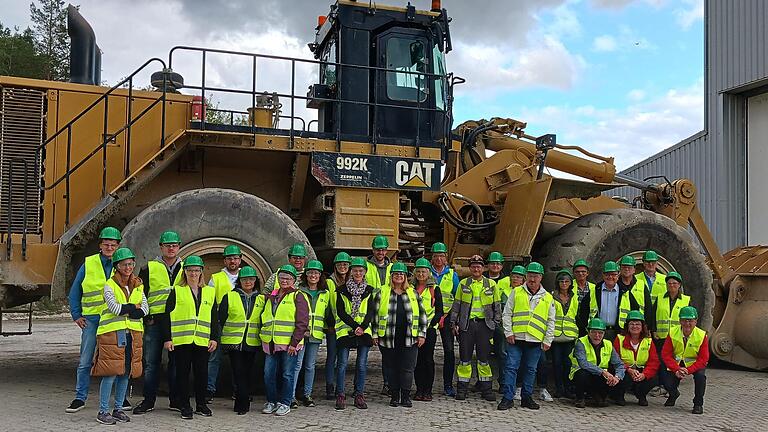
column 651, row 366
column 668, row 355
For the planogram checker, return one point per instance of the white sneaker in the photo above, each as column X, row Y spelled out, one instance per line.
column 517, row 396
column 545, row 396
column 282, row 410
column 269, row 408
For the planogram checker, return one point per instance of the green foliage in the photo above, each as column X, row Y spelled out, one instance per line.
column 17, row 54
column 49, row 30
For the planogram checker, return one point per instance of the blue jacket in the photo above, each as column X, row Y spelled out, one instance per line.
column 76, row 291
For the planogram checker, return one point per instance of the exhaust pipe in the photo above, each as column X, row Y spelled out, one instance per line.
column 84, row 54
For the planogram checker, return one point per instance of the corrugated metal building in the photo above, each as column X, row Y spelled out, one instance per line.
column 728, row 160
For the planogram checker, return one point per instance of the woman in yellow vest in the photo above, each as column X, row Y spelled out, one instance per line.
column 399, row 329
column 596, row 367
column 239, row 312
column 191, row 334
column 355, row 311
column 315, row 288
column 432, row 300
column 566, row 332
column 636, row 349
column 119, row 335
column 336, row 279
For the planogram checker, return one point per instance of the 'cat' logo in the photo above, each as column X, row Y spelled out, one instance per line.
column 414, row 174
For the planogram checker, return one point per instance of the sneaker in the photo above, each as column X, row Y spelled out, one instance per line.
column 360, row 401
column 242, row 412
column 294, row 404
column 269, row 408
column 143, row 407
column 209, row 396
column 697, row 409
column 174, row 407
column 282, row 410
column 341, row 402
column 75, row 406
column 517, row 396
column 126, row 406
column 672, row 399
column 385, row 389
column 449, row 391
column 203, row 410
column 330, row 392
column 529, row 403
column 120, row 416
column 308, row 402
column 545, row 396
column 428, row 397
column 505, row 404
column 105, row 418
column 186, row 414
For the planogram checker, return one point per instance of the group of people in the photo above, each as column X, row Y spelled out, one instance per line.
column 628, row 333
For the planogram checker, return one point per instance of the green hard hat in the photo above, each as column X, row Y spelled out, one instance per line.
column 358, row 262
column 298, row 250
column 380, row 242
column 581, row 263
column 439, row 247
column 342, row 257
column 247, row 271
column 110, row 233
column 314, row 265
column 564, row 271
column 610, row 266
column 170, row 237
column 518, row 270
column 688, row 312
column 495, row 257
column 398, row 267
column 596, row 324
column 232, row 250
column 193, row 261
column 122, row 254
column 287, row 268
column 627, row 260
column 650, row 256
column 534, row 267
column 635, row 315
column 675, row 275
column 423, row 263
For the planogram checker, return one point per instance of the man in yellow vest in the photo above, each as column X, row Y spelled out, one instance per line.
column 581, row 286
column 686, row 353
column 529, row 326
column 636, row 295
column 86, row 301
column 223, row 282
column 668, row 306
column 596, row 367
column 297, row 257
column 653, row 280
column 475, row 314
column 377, row 275
column 603, row 303
column 503, row 289
column 448, row 281
column 159, row 276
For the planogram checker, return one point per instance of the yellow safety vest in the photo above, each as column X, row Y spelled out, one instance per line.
column 253, row 331
column 428, row 302
column 666, row 318
column 687, row 352
column 342, row 329
column 383, row 312
column 590, row 287
column 446, row 289
column 638, row 292
column 279, row 327
column 221, row 284
column 659, row 284
column 504, row 290
column 187, row 326
column 565, row 323
column 109, row 322
column 92, row 301
column 643, row 352
column 159, row 286
column 592, row 297
column 234, row 328
column 372, row 275
column 533, row 323
column 317, row 314
column 605, row 355
column 478, row 294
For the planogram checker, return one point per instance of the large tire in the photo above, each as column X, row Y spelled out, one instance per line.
column 610, row 234
column 213, row 217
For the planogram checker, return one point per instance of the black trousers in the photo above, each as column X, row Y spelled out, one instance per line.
column 449, row 355
column 671, row 382
column 190, row 358
column 587, row 383
column 425, row 364
column 242, row 364
column 640, row 388
column 399, row 363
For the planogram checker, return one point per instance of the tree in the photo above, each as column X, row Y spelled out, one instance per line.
column 17, row 54
column 49, row 29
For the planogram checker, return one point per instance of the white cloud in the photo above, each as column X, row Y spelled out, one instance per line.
column 690, row 12
column 604, row 43
column 620, row 4
column 636, row 95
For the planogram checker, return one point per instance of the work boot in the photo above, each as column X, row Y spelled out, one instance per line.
column 341, row 402
column 600, row 401
column 461, row 390
column 405, row 399
column 620, row 401
column 697, row 409
column 529, row 403
column 505, row 404
column 486, row 391
column 394, row 400
column 672, row 399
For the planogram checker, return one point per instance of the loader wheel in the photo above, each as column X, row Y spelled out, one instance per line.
column 209, row 219
column 610, row 234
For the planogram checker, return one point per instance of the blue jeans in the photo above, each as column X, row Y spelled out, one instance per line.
column 279, row 368
column 561, row 363
column 214, row 360
column 308, row 364
column 297, row 371
column 330, row 359
column 527, row 354
column 119, row 382
column 87, row 348
column 361, row 369
column 153, row 359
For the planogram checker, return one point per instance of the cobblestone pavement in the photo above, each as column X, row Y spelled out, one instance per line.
column 37, row 381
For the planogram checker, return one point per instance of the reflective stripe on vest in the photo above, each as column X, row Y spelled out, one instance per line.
column 188, row 327
column 278, row 328
column 533, row 323
column 317, row 315
column 590, row 287
column 625, row 305
column 478, row 300
column 383, row 312
column 92, row 301
column 159, row 286
column 565, row 324
column 446, row 289
column 109, row 322
column 605, row 355
column 659, row 284
column 222, row 285
column 234, row 327
column 253, row 331
column 666, row 319
column 643, row 352
column 342, row 329
column 687, row 352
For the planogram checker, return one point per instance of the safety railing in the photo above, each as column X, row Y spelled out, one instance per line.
column 9, row 208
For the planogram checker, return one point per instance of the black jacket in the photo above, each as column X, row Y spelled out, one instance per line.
column 352, row 340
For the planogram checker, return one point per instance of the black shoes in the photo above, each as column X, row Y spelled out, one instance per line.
column 75, row 406
column 405, row 399
column 203, row 410
column 186, row 414
column 143, row 407
column 505, row 404
column 697, row 409
column 580, row 403
column 642, row 401
column 529, row 403
column 672, row 399
column 461, row 391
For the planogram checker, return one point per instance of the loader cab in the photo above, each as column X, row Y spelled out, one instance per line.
column 382, row 76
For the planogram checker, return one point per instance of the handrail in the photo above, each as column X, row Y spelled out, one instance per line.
column 9, row 210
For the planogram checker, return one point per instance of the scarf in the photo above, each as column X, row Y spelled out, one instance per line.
column 357, row 291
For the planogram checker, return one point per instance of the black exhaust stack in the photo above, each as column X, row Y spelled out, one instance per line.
column 84, row 54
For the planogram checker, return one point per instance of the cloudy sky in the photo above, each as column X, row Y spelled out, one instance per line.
column 620, row 77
